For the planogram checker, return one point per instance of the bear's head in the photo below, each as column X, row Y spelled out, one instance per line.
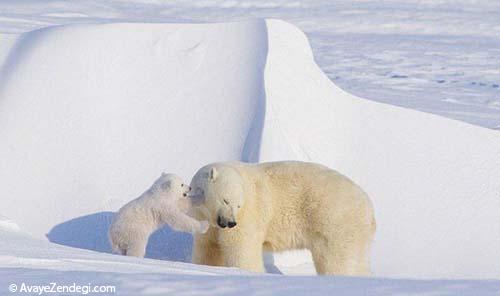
column 222, row 191
column 171, row 184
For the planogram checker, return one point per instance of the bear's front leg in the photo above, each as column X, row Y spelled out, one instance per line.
column 245, row 254
column 206, row 252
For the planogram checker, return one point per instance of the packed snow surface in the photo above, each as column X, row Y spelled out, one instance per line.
column 39, row 263
column 90, row 114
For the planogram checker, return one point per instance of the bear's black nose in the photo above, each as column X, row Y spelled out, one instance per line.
column 184, row 194
column 231, row 224
column 221, row 222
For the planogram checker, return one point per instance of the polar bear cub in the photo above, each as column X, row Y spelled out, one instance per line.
column 166, row 202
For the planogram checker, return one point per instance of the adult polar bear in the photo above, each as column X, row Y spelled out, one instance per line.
column 279, row 206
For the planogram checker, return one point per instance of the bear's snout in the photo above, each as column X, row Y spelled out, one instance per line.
column 223, row 223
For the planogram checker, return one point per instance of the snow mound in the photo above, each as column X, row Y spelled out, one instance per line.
column 435, row 182
column 90, row 114
column 106, row 108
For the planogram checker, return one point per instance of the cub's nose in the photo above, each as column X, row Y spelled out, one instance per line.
column 184, row 194
column 231, row 224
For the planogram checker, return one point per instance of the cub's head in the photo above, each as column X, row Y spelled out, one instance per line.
column 221, row 189
column 172, row 184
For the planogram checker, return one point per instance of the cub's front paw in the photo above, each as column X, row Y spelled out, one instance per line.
column 204, row 226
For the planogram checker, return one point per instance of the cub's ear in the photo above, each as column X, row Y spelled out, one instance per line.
column 166, row 186
column 213, row 174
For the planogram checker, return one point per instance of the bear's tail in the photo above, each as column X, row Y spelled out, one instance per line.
column 374, row 223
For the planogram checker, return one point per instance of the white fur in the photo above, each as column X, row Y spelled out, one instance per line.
column 166, row 202
column 281, row 206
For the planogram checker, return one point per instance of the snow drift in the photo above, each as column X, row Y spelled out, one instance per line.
column 90, row 114
column 93, row 113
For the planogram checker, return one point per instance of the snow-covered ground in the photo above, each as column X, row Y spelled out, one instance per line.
column 91, row 113
column 32, row 262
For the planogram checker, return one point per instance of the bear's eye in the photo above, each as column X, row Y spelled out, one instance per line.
column 182, row 185
column 225, row 201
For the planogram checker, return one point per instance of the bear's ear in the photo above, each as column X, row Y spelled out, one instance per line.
column 213, row 174
column 163, row 174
